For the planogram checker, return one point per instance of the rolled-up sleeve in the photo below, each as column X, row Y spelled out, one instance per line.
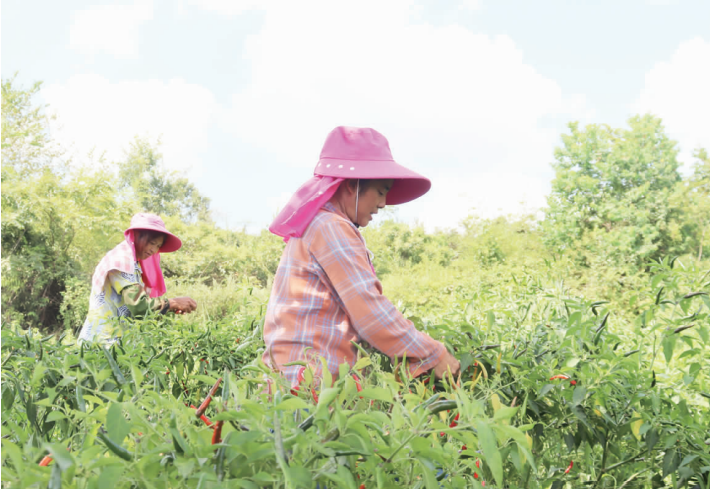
column 341, row 253
column 135, row 297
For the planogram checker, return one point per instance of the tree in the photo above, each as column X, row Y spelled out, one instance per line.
column 54, row 217
column 693, row 194
column 611, row 199
column 156, row 189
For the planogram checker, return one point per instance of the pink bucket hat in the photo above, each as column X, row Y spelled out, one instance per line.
column 348, row 152
column 152, row 222
column 361, row 152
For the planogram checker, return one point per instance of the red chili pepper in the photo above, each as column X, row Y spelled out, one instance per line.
column 45, row 461
column 294, row 390
column 483, row 483
column 560, row 376
column 463, row 447
column 201, row 410
column 442, row 434
column 217, row 435
column 478, row 463
column 300, row 377
column 357, row 383
column 475, row 475
column 362, row 486
column 454, row 423
column 204, row 418
column 572, row 382
column 571, row 464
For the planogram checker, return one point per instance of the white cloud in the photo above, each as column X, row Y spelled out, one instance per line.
column 110, row 28
column 470, row 5
column 228, row 7
column 451, row 102
column 677, row 91
column 94, row 113
column 485, row 194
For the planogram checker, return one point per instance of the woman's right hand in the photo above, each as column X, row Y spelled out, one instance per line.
column 448, row 362
column 182, row 305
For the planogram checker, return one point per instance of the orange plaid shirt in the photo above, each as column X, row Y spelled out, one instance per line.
column 326, row 294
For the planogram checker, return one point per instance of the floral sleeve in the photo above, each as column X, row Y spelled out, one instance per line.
column 135, row 296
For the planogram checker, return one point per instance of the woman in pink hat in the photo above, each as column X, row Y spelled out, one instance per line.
column 128, row 281
column 326, row 293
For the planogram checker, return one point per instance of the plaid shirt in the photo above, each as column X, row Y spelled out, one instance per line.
column 326, row 294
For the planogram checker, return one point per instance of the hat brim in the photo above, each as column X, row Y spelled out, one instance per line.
column 171, row 243
column 407, row 186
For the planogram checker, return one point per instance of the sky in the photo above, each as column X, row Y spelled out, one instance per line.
column 474, row 94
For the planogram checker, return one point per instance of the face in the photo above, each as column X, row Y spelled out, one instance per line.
column 372, row 200
column 150, row 248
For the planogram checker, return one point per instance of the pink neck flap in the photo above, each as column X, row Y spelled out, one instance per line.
column 305, row 203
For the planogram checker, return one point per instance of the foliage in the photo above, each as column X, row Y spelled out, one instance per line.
column 631, row 410
column 611, row 196
column 52, row 218
column 156, row 189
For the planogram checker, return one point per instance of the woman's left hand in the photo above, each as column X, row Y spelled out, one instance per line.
column 182, row 305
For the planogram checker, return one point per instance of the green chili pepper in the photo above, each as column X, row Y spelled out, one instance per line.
column 80, row 402
column 115, row 448
column 445, row 405
column 178, row 441
column 117, row 375
column 429, row 401
column 603, row 323
column 682, row 328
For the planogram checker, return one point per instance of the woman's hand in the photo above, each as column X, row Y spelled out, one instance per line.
column 447, row 363
column 182, row 305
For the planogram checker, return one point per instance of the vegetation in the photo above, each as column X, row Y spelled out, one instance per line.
column 584, row 337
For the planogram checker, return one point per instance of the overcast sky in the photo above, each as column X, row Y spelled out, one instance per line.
column 473, row 94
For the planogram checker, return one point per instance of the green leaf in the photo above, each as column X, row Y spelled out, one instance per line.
column 430, row 481
column 10, row 448
column 491, row 455
column 110, row 474
column 491, row 318
column 206, row 379
column 545, row 389
column 668, row 345
column 377, row 393
column 670, row 462
column 504, row 413
column 60, row 454
column 8, row 396
column 580, row 393
column 651, row 439
column 55, row 478
column 116, row 423
column 292, row 404
column 54, row 416
column 362, row 363
column 326, row 397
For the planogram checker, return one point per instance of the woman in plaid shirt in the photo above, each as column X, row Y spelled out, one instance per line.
column 326, row 293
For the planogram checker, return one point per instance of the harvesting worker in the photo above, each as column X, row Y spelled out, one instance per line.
column 128, row 281
column 325, row 292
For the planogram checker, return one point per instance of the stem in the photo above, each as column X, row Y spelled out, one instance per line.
column 603, row 470
column 280, row 453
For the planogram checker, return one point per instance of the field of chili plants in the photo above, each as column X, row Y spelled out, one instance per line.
column 556, row 392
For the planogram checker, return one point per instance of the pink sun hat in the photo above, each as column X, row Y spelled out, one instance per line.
column 361, row 152
column 348, row 152
column 152, row 222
